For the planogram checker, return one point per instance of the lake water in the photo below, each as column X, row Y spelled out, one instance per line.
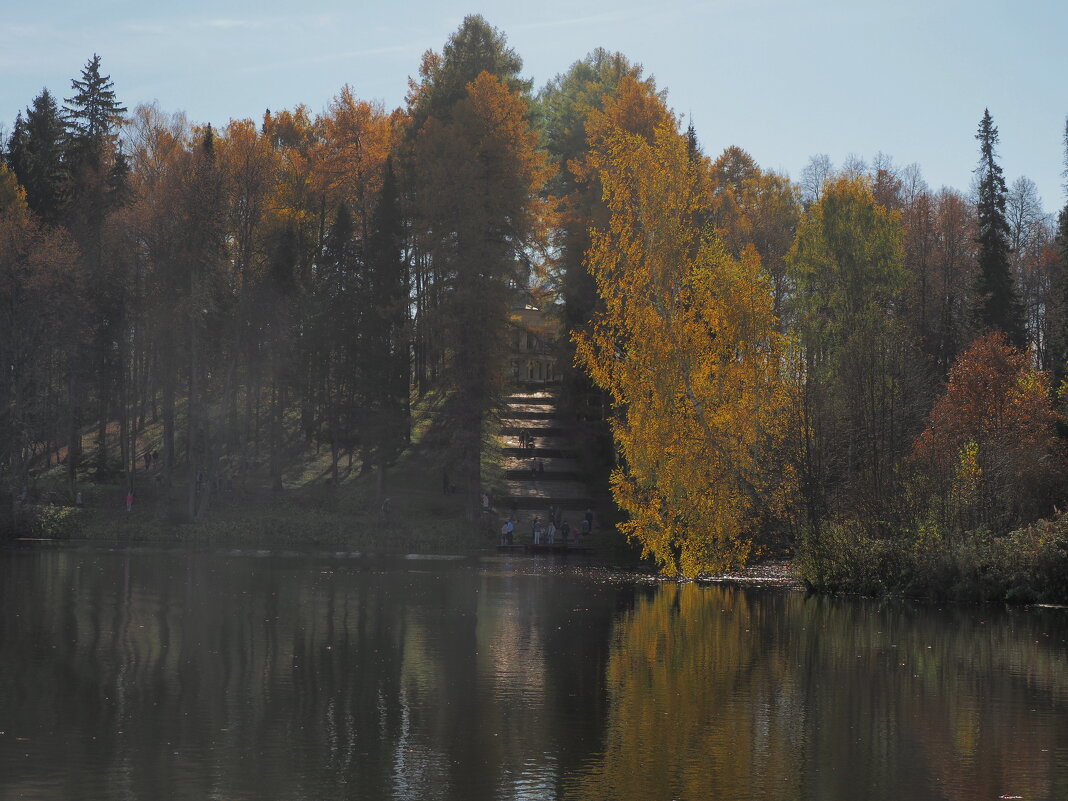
column 157, row 675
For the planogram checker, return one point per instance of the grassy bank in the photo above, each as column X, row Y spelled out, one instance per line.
column 346, row 517
column 313, row 509
column 1024, row 566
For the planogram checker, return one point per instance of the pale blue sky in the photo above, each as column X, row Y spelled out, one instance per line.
column 784, row 79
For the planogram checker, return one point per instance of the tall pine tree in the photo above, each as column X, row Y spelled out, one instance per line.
column 1059, row 335
column 94, row 190
column 385, row 334
column 997, row 304
column 335, row 313
column 476, row 170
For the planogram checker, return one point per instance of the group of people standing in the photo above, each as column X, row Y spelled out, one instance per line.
column 545, row 532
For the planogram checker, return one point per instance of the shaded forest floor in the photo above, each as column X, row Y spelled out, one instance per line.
column 311, row 509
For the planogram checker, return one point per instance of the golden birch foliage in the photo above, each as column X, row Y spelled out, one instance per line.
column 250, row 164
column 298, row 191
column 635, row 107
column 356, row 141
column 12, row 196
column 688, row 347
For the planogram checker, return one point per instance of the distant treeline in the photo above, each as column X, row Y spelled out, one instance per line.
column 850, row 352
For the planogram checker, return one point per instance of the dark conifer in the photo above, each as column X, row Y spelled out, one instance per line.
column 93, row 114
column 44, row 171
column 997, row 304
column 693, row 147
column 385, row 330
column 332, row 339
column 118, row 181
column 1059, row 312
column 1059, row 334
column 15, row 153
column 91, row 118
column 207, row 144
column 476, row 47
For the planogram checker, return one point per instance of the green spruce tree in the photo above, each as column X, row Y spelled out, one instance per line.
column 43, row 158
column 93, row 115
column 94, row 190
column 1059, row 312
column 475, row 174
column 997, row 304
column 15, row 151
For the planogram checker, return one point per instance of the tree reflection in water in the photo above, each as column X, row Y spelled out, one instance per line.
column 730, row 693
column 152, row 675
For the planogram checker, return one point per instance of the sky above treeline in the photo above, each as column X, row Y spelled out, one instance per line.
column 784, row 79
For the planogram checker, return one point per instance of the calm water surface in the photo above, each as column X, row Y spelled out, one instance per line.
column 147, row 675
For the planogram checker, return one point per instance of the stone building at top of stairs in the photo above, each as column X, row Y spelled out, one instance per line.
column 534, row 331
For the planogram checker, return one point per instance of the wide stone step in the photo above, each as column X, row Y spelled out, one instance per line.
column 534, row 431
column 544, row 453
column 525, row 462
column 532, row 406
column 539, row 442
column 504, row 503
column 518, row 414
column 545, row 475
column 533, row 488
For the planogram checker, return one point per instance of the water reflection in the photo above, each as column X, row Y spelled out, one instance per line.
column 126, row 675
column 730, row 693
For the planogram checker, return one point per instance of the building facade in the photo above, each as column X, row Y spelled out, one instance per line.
column 534, row 333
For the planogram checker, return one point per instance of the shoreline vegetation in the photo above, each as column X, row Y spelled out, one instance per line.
column 302, row 330
column 1027, row 565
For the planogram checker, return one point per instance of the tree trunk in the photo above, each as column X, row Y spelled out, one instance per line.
column 169, row 460
column 277, row 415
column 472, row 460
column 102, row 422
column 127, row 449
column 192, row 412
column 380, row 482
column 74, row 435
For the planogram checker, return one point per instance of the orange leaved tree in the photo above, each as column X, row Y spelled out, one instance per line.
column 990, row 455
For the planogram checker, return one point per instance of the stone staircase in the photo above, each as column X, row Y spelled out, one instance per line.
column 545, row 476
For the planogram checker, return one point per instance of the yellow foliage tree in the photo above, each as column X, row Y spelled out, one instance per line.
column 12, row 196
column 688, row 347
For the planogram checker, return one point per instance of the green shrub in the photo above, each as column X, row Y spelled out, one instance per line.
column 843, row 557
column 51, row 522
column 1024, row 566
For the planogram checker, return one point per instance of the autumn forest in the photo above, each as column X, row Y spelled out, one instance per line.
column 850, row 366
